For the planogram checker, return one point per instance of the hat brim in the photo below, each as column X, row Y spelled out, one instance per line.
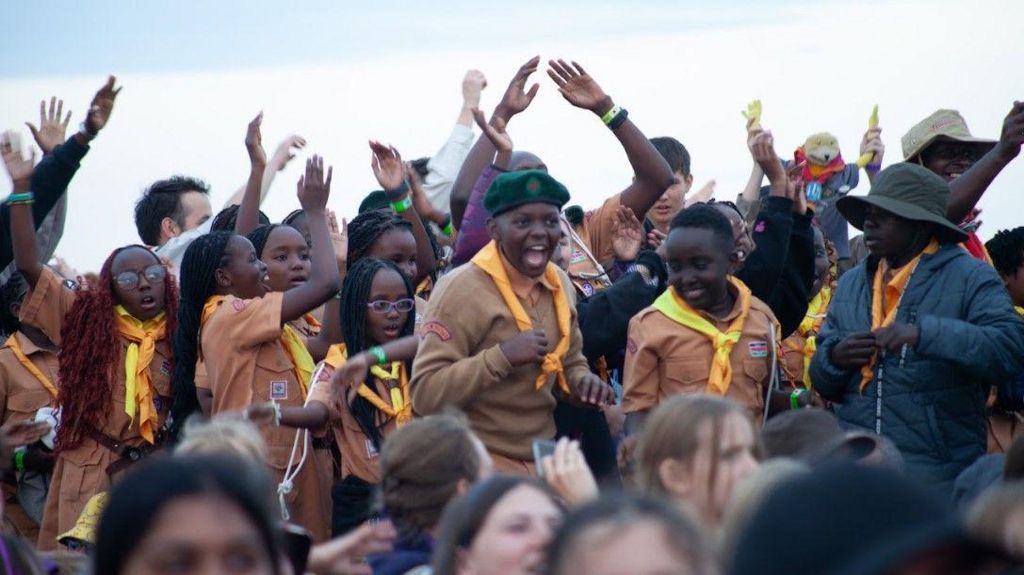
column 983, row 143
column 854, row 209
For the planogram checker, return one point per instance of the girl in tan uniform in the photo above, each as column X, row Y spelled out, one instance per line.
column 252, row 358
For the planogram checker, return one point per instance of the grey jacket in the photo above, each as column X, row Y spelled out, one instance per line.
column 929, row 399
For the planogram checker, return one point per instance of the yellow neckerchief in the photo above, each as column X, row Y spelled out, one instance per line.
column 489, row 260
column 15, row 347
column 297, row 352
column 889, row 300
column 425, row 287
column 675, row 308
column 138, row 387
column 809, row 328
column 401, row 404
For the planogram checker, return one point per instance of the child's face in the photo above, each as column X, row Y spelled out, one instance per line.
column 528, row 236
column 388, row 287
column 398, row 246
column 244, row 276
column 887, row 235
column 821, row 263
column 697, row 266
column 1015, row 285
column 138, row 282
column 286, row 256
column 670, row 202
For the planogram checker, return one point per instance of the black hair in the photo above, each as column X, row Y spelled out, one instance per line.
column 375, row 200
column 366, row 228
column 463, row 518
column 707, row 217
column 355, row 294
column 163, row 200
column 1006, row 249
column 201, row 260
column 11, row 292
column 622, row 510
column 137, row 500
column 293, row 217
column 674, row 152
column 421, row 165
column 575, row 215
column 260, row 235
column 225, row 220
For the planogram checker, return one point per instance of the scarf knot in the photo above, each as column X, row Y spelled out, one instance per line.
column 138, row 386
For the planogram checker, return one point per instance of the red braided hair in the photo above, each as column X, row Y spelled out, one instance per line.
column 90, row 347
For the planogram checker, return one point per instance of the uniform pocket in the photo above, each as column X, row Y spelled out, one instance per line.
column 26, row 403
column 686, row 376
column 274, row 379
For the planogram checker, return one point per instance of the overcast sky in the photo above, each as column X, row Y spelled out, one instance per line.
column 340, row 73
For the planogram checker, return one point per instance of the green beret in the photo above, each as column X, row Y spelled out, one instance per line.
column 514, row 189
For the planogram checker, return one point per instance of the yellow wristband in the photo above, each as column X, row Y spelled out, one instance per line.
column 610, row 115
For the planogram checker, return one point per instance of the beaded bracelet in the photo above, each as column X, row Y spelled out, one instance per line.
column 20, row 198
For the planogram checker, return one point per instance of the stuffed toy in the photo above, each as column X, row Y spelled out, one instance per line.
column 825, row 174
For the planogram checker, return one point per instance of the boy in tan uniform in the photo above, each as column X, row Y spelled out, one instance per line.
column 500, row 332
column 706, row 333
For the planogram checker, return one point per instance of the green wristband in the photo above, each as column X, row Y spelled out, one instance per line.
column 378, row 352
column 794, row 398
column 402, row 206
column 610, row 115
column 448, row 230
column 19, row 461
column 20, row 198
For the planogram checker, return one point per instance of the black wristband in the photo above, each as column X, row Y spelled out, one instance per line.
column 397, row 193
column 619, row 119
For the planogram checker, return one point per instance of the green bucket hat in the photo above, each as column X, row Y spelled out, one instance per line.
column 942, row 125
column 514, row 189
column 911, row 192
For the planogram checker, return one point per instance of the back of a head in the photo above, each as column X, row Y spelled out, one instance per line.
column 596, row 528
column 800, row 434
column 750, row 493
column 139, row 498
column 674, row 153
column 225, row 219
column 222, row 436
column 1006, row 249
column 162, row 200
column 421, row 465
column 839, row 514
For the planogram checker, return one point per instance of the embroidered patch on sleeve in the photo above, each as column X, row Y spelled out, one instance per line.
column 238, row 304
column 630, row 345
column 758, row 349
column 437, row 328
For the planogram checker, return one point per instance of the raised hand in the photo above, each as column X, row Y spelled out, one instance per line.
column 495, row 133
column 516, row 98
column 339, row 235
column 526, row 348
column 346, row 555
column 705, row 193
column 254, row 141
column 763, row 149
column 101, row 107
column 872, row 144
column 285, row 151
column 627, row 235
column 314, row 189
column 387, row 166
column 795, row 187
column 1011, row 138
column 578, row 88
column 51, row 130
column 18, row 166
column 568, row 474
column 473, row 83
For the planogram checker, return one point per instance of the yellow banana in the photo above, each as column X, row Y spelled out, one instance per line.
column 753, row 114
column 865, row 159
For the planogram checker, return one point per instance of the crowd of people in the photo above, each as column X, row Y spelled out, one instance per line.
column 473, row 376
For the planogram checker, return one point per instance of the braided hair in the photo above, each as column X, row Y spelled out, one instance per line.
column 201, row 260
column 1007, row 250
column 11, row 292
column 260, row 235
column 355, row 294
column 225, row 220
column 89, row 349
column 365, row 229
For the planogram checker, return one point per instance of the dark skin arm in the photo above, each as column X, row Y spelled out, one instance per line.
column 324, row 281
column 390, row 171
column 331, row 332
column 966, row 191
column 248, row 211
column 854, row 351
column 515, row 100
column 314, row 415
column 23, row 230
column 353, row 372
column 652, row 175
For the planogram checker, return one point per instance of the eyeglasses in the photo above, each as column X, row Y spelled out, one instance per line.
column 383, row 306
column 130, row 279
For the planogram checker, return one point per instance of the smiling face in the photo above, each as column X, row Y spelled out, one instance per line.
column 528, row 236
column 397, row 246
column 387, row 286
column 698, row 262
column 146, row 299
column 514, row 537
column 286, row 256
column 950, row 159
column 244, row 275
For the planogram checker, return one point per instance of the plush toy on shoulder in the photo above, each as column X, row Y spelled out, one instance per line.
column 826, row 175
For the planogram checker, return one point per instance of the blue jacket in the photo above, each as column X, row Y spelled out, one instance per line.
column 929, row 399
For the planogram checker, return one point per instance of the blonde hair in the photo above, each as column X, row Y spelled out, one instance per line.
column 223, row 435
column 673, row 432
column 748, row 495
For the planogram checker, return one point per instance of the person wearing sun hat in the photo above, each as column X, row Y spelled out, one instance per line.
column 500, row 333
column 918, row 332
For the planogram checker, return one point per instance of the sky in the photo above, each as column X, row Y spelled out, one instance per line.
column 341, row 73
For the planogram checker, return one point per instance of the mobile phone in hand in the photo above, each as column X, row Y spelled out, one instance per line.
column 541, row 449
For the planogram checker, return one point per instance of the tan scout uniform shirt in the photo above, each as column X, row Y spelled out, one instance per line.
column 460, row 363
column 664, row 358
column 80, row 473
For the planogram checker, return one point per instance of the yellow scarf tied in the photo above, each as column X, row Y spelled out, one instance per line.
column 675, row 308
column 889, row 296
column 489, row 260
column 398, row 385
column 138, row 386
column 15, row 347
column 809, row 328
column 297, row 352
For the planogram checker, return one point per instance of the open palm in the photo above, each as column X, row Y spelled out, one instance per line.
column 576, row 85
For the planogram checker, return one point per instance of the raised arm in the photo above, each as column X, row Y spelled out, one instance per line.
column 390, row 172
column 284, row 153
column 966, row 191
column 248, row 218
column 652, row 174
column 515, row 100
column 314, row 190
column 331, row 331
column 23, row 230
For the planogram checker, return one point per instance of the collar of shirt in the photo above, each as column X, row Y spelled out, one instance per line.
column 523, row 286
